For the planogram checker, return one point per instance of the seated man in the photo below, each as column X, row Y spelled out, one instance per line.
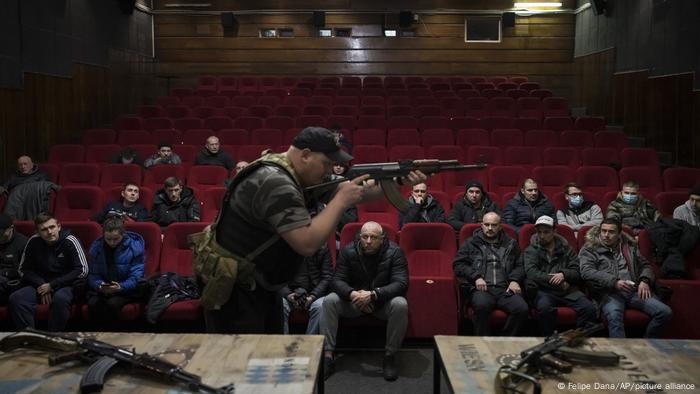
column 116, row 265
column 12, row 246
column 53, row 261
column 422, row 208
column 489, row 269
column 552, row 266
column 631, row 208
column 578, row 213
column 371, row 278
column 175, row 203
column 309, row 287
column 213, row 155
column 26, row 172
column 472, row 207
column 165, row 155
column 527, row 206
column 619, row 277
column 128, row 208
column 690, row 210
column 127, row 156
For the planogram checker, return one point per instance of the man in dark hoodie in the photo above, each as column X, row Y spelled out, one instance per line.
column 619, row 277
column 12, row 246
column 553, row 267
column 213, row 155
column 53, row 260
column 472, row 207
column 175, row 203
column 527, row 206
column 489, row 269
column 422, row 208
column 127, row 208
column 26, row 172
column 371, row 278
column 116, row 264
column 579, row 212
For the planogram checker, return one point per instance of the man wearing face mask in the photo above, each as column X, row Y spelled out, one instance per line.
column 632, row 209
column 371, row 277
column 578, row 213
column 472, row 207
column 527, row 206
column 422, row 208
column 116, row 264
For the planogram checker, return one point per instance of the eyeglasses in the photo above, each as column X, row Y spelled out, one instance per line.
column 370, row 237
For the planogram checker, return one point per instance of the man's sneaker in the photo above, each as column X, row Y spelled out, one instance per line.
column 389, row 366
column 328, row 367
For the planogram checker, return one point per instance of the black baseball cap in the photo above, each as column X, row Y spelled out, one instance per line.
column 319, row 139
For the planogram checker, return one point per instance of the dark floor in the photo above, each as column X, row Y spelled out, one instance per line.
column 360, row 371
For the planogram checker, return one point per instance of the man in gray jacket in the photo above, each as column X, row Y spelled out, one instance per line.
column 690, row 210
column 619, row 277
column 579, row 213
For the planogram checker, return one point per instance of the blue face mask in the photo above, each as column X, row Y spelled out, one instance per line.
column 576, row 201
column 629, row 198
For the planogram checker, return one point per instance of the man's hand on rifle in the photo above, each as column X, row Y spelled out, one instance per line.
column 414, row 178
column 481, row 284
column 643, row 290
column 351, row 193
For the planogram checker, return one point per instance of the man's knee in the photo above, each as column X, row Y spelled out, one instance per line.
column 62, row 298
column 331, row 303
column 21, row 296
column 520, row 308
column 398, row 305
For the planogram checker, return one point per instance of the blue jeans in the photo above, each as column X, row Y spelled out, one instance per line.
column 614, row 310
column 312, row 328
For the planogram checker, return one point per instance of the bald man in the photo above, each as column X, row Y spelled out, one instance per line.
column 213, row 155
column 371, row 277
column 489, row 269
column 26, row 172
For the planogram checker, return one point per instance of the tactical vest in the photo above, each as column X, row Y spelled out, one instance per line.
column 277, row 264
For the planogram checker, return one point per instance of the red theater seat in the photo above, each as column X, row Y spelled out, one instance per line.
column 576, row 138
column 205, row 177
column 667, row 202
column 610, row 139
column 468, row 137
column 380, row 211
column 120, row 174
column 600, row 157
column 101, row 153
column 99, row 136
column 77, row 174
column 598, row 179
column 429, row 249
column 551, row 179
column 527, row 157
column 590, row 123
column 66, row 153
column 681, row 178
column 211, row 203
column 505, row 179
column 369, row 154
column 506, row 137
column 406, row 152
column 154, row 176
column 640, row 157
column 78, row 203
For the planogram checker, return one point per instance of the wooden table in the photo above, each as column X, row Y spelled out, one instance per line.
column 253, row 363
column 470, row 365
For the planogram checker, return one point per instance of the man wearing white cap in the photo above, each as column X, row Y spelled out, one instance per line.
column 553, row 267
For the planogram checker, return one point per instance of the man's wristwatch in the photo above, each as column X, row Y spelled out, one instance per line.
column 374, row 295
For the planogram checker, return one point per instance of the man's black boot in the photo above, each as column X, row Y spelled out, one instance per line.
column 328, row 367
column 389, row 366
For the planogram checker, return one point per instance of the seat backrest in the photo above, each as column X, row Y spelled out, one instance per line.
column 66, row 153
column 176, row 255
column 561, row 156
column 152, row 240
column 211, row 203
column 551, row 179
column 101, row 153
column 429, row 248
column 84, row 230
column 369, row 154
column 155, row 176
column 600, row 157
column 73, row 174
column 681, row 178
column 504, row 179
column 640, row 157
column 598, row 179
column 78, row 203
column 406, row 152
column 204, row 177
column 119, row 174
column 667, row 202
column 506, row 137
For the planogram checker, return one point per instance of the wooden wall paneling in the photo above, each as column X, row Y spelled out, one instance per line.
column 695, row 131
column 12, row 132
column 670, row 112
column 593, row 84
column 630, row 101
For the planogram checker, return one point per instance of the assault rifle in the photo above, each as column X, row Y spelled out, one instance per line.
column 103, row 357
column 556, row 354
column 386, row 174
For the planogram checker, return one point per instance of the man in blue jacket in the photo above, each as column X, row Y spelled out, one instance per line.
column 116, row 264
column 53, row 260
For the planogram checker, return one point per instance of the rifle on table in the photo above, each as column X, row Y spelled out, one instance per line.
column 386, row 174
column 103, row 356
column 556, row 354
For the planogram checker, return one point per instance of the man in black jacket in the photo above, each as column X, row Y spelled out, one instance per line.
column 26, row 172
column 128, row 207
column 526, row 206
column 422, row 207
column 489, row 268
column 472, row 207
column 175, row 203
column 213, row 155
column 553, row 267
column 53, row 260
column 12, row 246
column 371, row 278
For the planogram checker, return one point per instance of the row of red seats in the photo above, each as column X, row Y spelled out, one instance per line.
column 179, row 128
column 429, row 249
column 212, row 82
column 477, row 107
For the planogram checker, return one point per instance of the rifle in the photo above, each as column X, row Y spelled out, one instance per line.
column 103, row 356
column 556, row 354
column 387, row 173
